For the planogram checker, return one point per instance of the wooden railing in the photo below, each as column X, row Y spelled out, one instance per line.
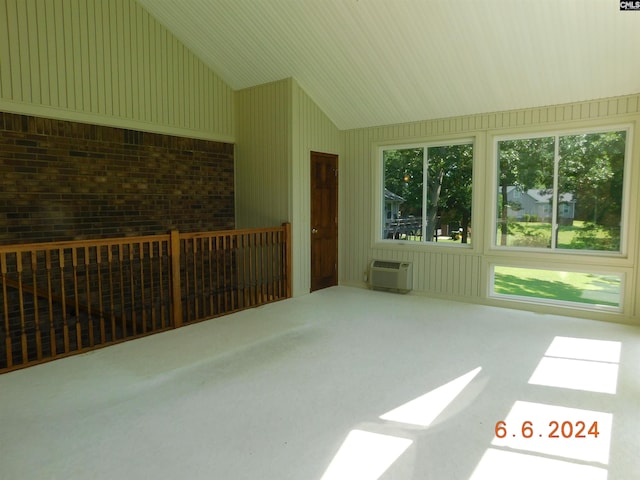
column 62, row 298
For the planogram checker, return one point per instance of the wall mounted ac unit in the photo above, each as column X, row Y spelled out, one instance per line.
column 391, row 275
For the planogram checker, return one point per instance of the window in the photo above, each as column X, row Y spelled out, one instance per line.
column 427, row 192
column 562, row 191
column 567, row 287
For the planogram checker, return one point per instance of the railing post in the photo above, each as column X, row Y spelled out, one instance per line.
column 176, row 289
column 287, row 258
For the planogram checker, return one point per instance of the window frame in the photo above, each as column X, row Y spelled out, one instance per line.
column 625, row 226
column 378, row 239
column 621, row 273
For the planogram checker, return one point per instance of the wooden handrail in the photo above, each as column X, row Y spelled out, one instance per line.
column 66, row 244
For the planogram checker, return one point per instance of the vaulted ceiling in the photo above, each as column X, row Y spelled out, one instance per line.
column 379, row 62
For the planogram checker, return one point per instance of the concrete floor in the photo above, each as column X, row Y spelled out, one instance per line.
column 344, row 383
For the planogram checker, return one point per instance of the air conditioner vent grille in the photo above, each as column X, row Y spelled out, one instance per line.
column 390, row 275
column 385, row 264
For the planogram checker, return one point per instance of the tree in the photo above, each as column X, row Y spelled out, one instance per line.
column 450, row 169
column 592, row 167
column 523, row 164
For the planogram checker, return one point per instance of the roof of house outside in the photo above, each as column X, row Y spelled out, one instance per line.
column 543, row 195
column 392, row 197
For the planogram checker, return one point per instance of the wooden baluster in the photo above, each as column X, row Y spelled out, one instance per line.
column 7, row 330
column 111, row 292
column 23, row 337
column 252, row 276
column 267, row 264
column 132, row 290
column 142, row 289
column 187, row 285
column 232, row 243
column 242, row 271
column 249, row 279
column 274, row 264
column 103, row 332
column 221, row 293
column 259, row 271
column 253, row 284
column 87, row 277
column 281, row 268
column 163, row 311
column 152, row 287
column 36, row 311
column 175, row 250
column 52, row 327
column 253, row 267
column 65, row 326
column 122, row 297
column 287, row 259
column 260, row 257
column 196, row 311
column 196, row 289
column 203, row 278
column 74, row 263
column 210, row 285
column 266, row 258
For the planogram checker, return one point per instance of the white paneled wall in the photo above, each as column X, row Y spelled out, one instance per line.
column 463, row 273
column 263, row 155
column 107, row 62
column 312, row 131
column 278, row 127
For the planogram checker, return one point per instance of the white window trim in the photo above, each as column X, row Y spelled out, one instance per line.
column 493, row 246
column 378, row 196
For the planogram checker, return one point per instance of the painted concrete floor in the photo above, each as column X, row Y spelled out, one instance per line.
column 344, row 383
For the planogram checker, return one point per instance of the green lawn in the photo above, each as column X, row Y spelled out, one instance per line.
column 580, row 235
column 587, row 288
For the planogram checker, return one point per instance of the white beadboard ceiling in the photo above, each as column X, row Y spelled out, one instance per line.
column 379, row 62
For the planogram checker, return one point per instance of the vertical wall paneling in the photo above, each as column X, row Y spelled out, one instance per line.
column 82, row 40
column 34, row 57
column 278, row 127
column 5, row 79
column 263, row 157
column 109, row 63
column 312, row 130
column 12, row 63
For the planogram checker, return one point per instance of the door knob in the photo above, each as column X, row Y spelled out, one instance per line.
column 314, row 230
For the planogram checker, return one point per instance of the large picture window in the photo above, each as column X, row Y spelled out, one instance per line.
column 427, row 192
column 562, row 191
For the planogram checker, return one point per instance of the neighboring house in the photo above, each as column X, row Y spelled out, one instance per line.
column 535, row 204
column 392, row 204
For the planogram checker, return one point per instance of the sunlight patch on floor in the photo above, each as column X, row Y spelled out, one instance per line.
column 585, row 349
column 504, row 465
column 576, row 375
column 579, row 364
column 424, row 409
column 365, row 456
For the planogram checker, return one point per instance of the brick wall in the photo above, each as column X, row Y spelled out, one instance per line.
column 63, row 180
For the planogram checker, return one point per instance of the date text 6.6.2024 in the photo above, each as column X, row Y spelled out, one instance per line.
column 555, row 429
